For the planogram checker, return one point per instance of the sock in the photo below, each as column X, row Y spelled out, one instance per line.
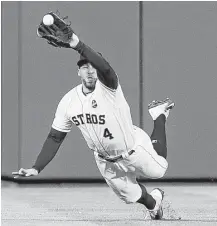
column 146, row 199
column 158, row 136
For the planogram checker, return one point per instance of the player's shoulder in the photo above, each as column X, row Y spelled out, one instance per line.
column 70, row 95
column 104, row 87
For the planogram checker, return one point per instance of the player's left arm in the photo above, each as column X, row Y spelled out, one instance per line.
column 106, row 73
column 59, row 34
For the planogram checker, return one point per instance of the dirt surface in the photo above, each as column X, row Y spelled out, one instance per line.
column 96, row 204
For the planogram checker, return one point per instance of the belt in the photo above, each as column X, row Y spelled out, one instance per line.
column 116, row 158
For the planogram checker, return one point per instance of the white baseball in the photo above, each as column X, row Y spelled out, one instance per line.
column 48, row 20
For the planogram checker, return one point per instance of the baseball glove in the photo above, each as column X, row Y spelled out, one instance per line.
column 57, row 31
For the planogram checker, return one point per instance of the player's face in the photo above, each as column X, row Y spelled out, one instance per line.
column 88, row 76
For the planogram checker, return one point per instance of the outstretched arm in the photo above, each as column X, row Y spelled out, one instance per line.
column 106, row 74
column 48, row 151
column 60, row 127
column 59, row 34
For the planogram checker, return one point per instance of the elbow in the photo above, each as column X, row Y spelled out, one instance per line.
column 56, row 136
column 113, row 79
column 115, row 83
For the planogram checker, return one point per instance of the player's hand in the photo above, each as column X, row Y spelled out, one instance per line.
column 25, row 173
column 74, row 41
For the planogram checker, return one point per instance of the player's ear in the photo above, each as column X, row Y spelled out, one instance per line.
column 79, row 72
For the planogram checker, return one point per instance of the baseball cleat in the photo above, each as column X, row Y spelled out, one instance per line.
column 156, row 103
column 158, row 107
column 157, row 212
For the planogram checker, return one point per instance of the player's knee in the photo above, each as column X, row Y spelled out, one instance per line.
column 128, row 194
column 128, row 199
column 159, row 173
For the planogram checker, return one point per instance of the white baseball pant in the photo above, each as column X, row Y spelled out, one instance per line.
column 121, row 175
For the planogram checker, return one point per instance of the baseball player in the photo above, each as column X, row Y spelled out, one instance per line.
column 122, row 151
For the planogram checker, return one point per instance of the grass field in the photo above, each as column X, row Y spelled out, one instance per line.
column 96, row 204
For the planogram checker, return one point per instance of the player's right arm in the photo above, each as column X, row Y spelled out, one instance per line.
column 48, row 151
column 61, row 125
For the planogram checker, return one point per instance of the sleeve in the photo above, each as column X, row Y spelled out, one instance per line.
column 110, row 95
column 61, row 121
column 49, row 149
column 106, row 74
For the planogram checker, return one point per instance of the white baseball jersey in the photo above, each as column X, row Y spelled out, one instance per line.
column 103, row 117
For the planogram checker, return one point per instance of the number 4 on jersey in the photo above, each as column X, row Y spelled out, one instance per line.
column 107, row 134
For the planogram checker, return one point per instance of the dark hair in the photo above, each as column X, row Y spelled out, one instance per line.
column 82, row 61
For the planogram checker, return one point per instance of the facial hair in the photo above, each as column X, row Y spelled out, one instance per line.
column 90, row 86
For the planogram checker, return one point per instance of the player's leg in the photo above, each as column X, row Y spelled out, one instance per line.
column 148, row 163
column 158, row 136
column 154, row 201
column 122, row 181
column 159, row 110
column 146, row 199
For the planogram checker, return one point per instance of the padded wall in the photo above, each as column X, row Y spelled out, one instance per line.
column 179, row 61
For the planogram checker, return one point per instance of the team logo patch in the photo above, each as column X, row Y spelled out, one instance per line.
column 94, row 104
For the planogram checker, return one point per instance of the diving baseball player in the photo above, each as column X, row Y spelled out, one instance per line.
column 122, row 151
